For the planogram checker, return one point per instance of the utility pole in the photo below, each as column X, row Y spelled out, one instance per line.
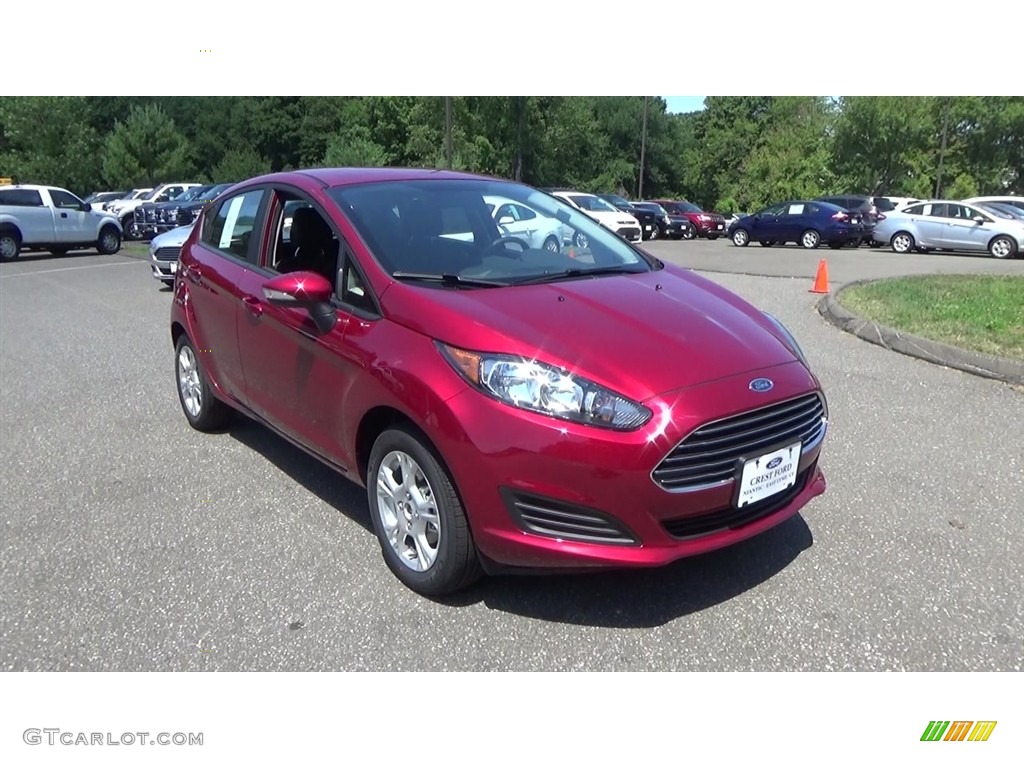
column 643, row 152
column 942, row 149
column 448, row 129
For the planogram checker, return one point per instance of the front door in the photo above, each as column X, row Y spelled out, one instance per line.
column 296, row 376
column 72, row 224
column 963, row 232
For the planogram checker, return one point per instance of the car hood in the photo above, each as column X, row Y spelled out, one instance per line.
column 174, row 238
column 640, row 335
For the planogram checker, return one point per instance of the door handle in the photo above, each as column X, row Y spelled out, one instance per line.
column 254, row 305
column 193, row 274
column 63, row 215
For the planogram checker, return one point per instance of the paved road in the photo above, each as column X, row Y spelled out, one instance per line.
column 844, row 265
column 130, row 542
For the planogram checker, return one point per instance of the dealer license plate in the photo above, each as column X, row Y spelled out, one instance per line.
column 720, row 226
column 174, row 267
column 768, row 475
column 648, row 227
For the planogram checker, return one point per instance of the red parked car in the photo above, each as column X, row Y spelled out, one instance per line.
column 709, row 225
column 505, row 406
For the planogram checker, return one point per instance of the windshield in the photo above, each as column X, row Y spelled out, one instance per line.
column 616, row 200
column 884, row 205
column 445, row 228
column 653, row 207
column 191, row 194
column 593, row 203
column 686, row 207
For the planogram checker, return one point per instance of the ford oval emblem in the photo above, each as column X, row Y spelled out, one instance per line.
column 761, row 385
column 774, row 462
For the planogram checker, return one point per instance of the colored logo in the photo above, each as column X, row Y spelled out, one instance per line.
column 761, row 385
column 958, row 730
column 774, row 462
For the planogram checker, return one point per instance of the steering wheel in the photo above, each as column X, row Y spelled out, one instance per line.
column 525, row 246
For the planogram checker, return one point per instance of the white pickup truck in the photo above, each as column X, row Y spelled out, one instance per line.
column 52, row 219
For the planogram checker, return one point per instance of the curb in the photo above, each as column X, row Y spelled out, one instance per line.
column 987, row 366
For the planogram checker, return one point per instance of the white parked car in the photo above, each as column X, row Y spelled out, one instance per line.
column 35, row 217
column 1015, row 200
column 164, row 250
column 517, row 220
column 135, row 194
column 603, row 212
column 951, row 225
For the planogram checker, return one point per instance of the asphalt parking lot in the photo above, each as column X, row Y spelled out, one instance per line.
column 131, row 542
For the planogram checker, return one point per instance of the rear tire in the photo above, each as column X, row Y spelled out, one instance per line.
column 1003, row 247
column 202, row 409
column 766, row 243
column 419, row 519
column 902, row 242
column 10, row 245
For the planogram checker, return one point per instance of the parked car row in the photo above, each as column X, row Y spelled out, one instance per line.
column 152, row 218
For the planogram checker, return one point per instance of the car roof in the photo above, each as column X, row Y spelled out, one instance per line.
column 31, row 186
column 340, row 177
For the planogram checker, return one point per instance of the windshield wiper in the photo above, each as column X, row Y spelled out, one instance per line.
column 450, row 279
column 617, row 269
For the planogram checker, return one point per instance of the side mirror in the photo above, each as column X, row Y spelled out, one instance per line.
column 85, row 207
column 506, row 220
column 304, row 290
column 979, row 219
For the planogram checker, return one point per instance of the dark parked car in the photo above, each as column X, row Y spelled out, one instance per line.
column 672, row 227
column 181, row 213
column 709, row 225
column 805, row 222
column 399, row 337
column 648, row 219
column 147, row 215
column 865, row 207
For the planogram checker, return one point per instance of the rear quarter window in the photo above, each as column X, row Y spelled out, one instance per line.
column 21, row 198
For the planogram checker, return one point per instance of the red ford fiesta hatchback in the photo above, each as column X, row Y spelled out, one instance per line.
column 507, row 404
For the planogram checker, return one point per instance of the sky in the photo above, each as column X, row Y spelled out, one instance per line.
column 684, row 103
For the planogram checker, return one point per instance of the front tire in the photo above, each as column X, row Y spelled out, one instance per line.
column 1002, row 247
column 689, row 233
column 741, row 238
column 417, row 515
column 132, row 231
column 810, row 239
column 552, row 244
column 109, row 240
column 10, row 245
column 204, row 411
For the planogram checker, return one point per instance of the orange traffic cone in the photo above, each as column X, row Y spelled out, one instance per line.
column 821, row 279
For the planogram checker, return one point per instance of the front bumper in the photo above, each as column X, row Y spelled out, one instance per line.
column 632, row 234
column 547, row 494
column 164, row 264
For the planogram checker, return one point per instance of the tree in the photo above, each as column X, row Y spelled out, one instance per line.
column 48, row 140
column 355, row 150
column 146, row 148
column 240, row 164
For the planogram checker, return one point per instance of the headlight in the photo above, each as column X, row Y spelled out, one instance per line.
column 546, row 389
column 172, row 215
column 789, row 339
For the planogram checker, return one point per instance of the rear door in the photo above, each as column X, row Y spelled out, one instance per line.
column 216, row 268
column 932, row 226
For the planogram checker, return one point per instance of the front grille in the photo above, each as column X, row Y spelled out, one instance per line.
column 167, row 254
column 712, row 454
column 559, row 520
column 729, row 518
column 630, row 233
column 140, row 214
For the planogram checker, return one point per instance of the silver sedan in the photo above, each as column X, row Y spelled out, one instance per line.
column 951, row 225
